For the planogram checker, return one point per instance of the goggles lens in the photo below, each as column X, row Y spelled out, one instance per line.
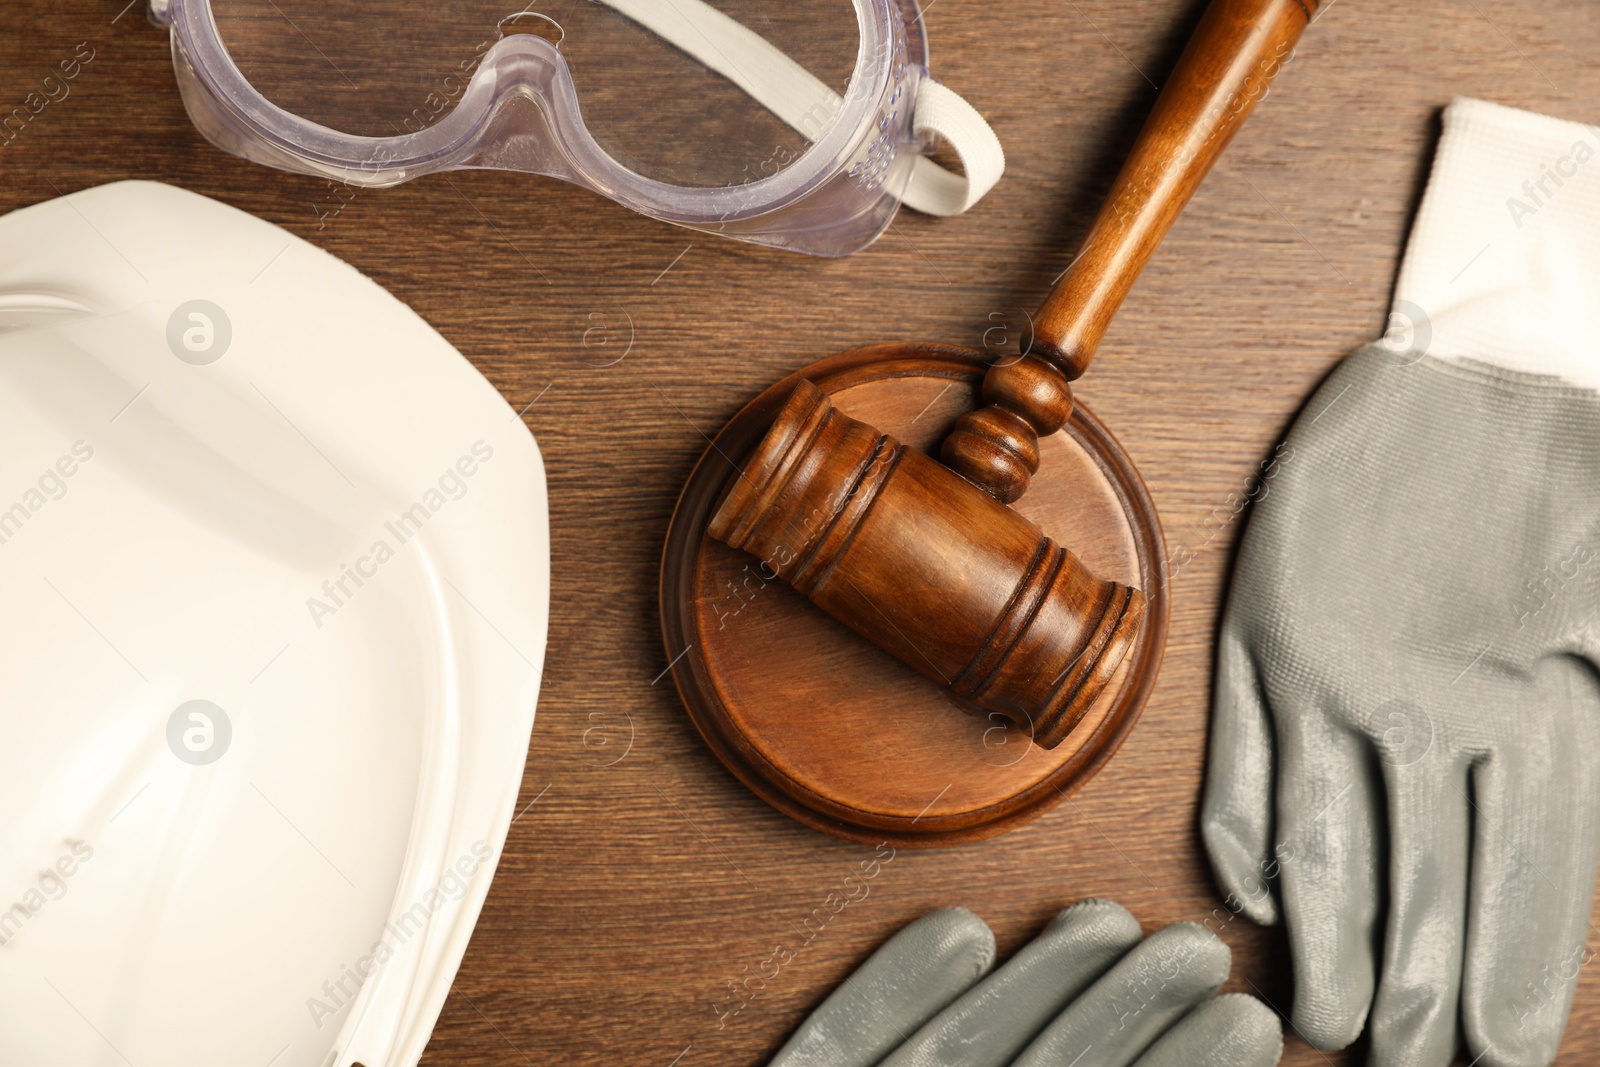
column 657, row 109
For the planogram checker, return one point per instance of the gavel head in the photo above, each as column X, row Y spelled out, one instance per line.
column 937, row 572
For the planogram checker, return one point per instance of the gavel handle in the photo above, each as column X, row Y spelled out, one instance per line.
column 1225, row 70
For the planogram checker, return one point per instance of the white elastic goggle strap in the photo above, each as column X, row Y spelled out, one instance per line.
column 806, row 104
column 933, row 190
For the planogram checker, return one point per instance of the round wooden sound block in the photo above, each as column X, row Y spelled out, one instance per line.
column 838, row 734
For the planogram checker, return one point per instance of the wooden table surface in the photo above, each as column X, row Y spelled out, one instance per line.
column 645, row 879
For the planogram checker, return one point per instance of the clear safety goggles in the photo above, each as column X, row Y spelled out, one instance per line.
column 800, row 125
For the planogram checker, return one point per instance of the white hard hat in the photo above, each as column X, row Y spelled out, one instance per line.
column 275, row 566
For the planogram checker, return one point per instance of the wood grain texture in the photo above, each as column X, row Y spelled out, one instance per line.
column 828, row 728
column 925, row 565
column 1226, row 69
column 646, row 878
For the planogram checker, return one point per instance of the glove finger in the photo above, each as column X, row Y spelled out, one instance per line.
column 1414, row 1014
column 998, row 1016
column 912, row 975
column 1146, row 992
column 1235, row 1030
column 1328, row 856
column 1532, row 887
column 1236, row 813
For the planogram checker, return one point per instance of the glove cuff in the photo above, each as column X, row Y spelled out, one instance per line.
column 1504, row 256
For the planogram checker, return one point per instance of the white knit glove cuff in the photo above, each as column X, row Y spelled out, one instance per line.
column 1503, row 264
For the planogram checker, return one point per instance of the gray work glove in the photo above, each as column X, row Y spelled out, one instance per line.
column 1405, row 752
column 1088, row 991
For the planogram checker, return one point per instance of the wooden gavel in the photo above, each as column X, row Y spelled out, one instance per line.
column 926, row 560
